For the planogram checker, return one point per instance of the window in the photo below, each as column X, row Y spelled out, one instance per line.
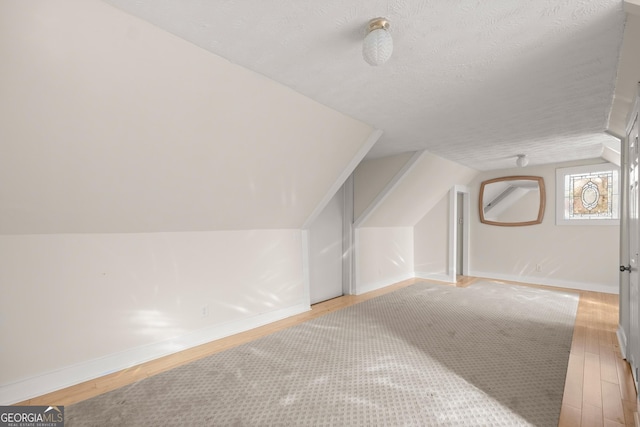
column 588, row 195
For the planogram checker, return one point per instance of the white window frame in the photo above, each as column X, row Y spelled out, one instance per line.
column 561, row 173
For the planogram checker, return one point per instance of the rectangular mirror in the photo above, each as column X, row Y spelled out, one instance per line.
column 512, row 201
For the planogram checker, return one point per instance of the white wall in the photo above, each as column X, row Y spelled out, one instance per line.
column 384, row 255
column 431, row 242
column 417, row 204
column 78, row 306
column 325, row 237
column 581, row 257
column 109, row 124
column 142, row 179
column 420, row 189
column 372, row 176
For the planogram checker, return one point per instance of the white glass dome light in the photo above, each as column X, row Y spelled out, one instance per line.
column 378, row 44
column 522, row 160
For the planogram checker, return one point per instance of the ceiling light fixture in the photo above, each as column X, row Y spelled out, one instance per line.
column 378, row 44
column 522, row 160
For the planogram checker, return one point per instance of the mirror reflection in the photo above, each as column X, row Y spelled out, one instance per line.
column 512, row 200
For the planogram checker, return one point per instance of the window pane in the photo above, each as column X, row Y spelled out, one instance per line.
column 591, row 195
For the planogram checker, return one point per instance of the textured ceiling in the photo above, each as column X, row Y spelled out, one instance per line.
column 472, row 81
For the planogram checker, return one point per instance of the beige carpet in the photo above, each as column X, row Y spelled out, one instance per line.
column 426, row 355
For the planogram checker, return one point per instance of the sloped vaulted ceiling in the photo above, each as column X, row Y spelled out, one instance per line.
column 628, row 70
column 110, row 124
column 472, row 81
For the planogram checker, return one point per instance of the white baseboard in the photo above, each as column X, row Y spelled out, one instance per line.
column 362, row 288
column 65, row 377
column 439, row 277
column 622, row 341
column 92, row 369
column 594, row 287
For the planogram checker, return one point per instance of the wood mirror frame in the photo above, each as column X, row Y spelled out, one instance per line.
column 504, row 192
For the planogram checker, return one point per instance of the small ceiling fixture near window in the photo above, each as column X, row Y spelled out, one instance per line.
column 522, row 160
column 378, row 44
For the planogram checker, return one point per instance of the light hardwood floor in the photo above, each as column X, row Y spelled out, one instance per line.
column 599, row 389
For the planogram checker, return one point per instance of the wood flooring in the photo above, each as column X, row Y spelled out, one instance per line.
column 599, row 388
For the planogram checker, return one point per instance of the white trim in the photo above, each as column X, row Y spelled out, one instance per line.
column 453, row 231
column 348, row 170
column 546, row 281
column 624, row 306
column 622, row 341
column 466, row 205
column 356, row 262
column 439, row 277
column 55, row 380
column 388, row 189
column 452, row 259
column 348, row 240
column 561, row 173
column 306, row 272
column 368, row 287
column 632, row 113
column 612, row 153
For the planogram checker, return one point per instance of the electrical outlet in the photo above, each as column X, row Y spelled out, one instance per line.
column 538, row 268
column 205, row 311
